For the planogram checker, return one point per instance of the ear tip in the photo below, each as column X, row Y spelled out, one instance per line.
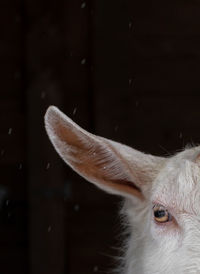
column 51, row 109
column 55, row 118
column 50, row 116
column 51, row 112
column 53, row 115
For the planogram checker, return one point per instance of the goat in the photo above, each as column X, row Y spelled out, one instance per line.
column 162, row 195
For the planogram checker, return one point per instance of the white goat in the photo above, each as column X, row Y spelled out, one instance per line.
column 162, row 195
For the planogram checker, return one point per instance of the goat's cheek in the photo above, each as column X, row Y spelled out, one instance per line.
column 165, row 233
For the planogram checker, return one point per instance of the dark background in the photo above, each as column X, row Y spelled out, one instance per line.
column 124, row 69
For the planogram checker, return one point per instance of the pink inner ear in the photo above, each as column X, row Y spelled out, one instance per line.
column 129, row 188
column 197, row 159
column 92, row 157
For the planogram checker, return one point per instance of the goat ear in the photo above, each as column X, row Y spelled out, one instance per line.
column 114, row 167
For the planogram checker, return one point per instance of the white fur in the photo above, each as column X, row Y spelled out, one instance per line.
column 173, row 182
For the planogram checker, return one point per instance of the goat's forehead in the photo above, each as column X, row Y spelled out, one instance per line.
column 178, row 183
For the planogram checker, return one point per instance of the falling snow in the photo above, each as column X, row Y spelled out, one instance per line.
column 83, row 5
column 74, row 111
column 83, row 61
column 76, row 208
column 10, row 131
column 7, row 202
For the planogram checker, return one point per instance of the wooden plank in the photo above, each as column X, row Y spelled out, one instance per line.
column 164, row 18
column 45, row 56
column 164, row 65
column 78, row 94
column 150, row 122
column 13, row 203
column 10, row 46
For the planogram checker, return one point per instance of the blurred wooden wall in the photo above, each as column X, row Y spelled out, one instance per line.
column 126, row 70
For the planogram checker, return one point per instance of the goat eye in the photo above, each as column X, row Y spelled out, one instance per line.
column 161, row 214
